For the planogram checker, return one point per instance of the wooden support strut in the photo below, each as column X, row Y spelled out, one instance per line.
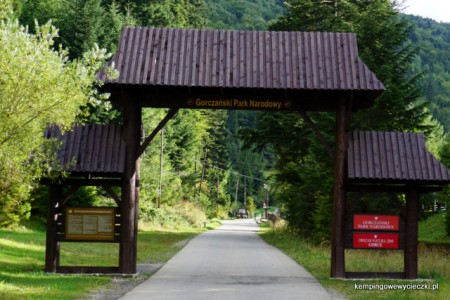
column 339, row 188
column 160, row 126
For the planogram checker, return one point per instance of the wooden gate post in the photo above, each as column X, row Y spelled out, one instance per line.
column 51, row 243
column 339, row 189
column 411, row 236
column 129, row 205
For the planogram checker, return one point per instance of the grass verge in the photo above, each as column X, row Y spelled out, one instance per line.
column 22, row 258
column 433, row 265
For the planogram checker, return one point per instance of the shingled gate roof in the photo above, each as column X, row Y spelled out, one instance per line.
column 397, row 157
column 97, row 150
column 244, row 60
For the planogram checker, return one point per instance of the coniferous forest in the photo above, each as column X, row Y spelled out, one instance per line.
column 215, row 160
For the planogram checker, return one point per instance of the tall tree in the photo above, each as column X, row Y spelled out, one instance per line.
column 38, row 86
column 304, row 170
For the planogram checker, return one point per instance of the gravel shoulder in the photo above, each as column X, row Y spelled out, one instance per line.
column 120, row 285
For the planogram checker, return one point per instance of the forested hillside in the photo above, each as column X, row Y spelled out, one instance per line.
column 433, row 40
column 243, row 14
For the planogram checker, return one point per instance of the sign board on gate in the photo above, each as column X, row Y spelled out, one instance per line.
column 375, row 240
column 376, row 222
column 90, row 223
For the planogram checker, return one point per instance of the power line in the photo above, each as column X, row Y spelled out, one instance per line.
column 232, row 172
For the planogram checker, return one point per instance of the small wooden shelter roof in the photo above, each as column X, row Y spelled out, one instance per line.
column 393, row 157
column 95, row 150
column 195, row 62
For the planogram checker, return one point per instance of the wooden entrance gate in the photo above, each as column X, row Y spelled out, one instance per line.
column 218, row 69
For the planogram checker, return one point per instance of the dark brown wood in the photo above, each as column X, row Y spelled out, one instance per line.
column 51, row 244
column 369, row 275
column 301, row 61
column 412, row 229
column 111, row 192
column 397, row 157
column 90, row 150
column 160, row 126
column 69, row 193
column 92, row 181
column 131, row 130
column 87, row 270
column 339, row 192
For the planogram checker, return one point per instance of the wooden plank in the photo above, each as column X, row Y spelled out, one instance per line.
column 383, row 156
column 96, row 155
column 87, row 270
column 214, row 55
column 103, row 151
column 222, row 68
column 261, row 56
column 333, row 54
column 268, row 65
column 308, row 61
column 339, row 59
column 353, row 61
column 248, row 59
column 346, row 62
column 327, row 54
column 240, row 59
column 228, row 59
column 121, row 57
column 372, row 275
column 363, row 155
column 202, row 59
column 177, row 63
column 171, row 57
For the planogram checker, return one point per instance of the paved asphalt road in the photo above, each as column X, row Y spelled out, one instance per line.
column 231, row 262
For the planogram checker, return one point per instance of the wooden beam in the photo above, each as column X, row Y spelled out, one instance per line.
column 94, row 181
column 131, row 133
column 412, row 229
column 111, row 192
column 339, row 188
column 317, row 133
column 160, row 126
column 69, row 193
column 51, row 243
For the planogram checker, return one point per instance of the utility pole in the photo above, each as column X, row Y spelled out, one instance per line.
column 245, row 192
column 236, row 196
column 203, row 172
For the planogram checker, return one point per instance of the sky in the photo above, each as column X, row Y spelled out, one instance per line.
column 438, row 10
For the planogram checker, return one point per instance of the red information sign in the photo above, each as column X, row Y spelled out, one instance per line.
column 375, row 222
column 375, row 240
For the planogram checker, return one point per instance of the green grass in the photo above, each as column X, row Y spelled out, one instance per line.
column 433, row 265
column 22, row 259
column 432, row 229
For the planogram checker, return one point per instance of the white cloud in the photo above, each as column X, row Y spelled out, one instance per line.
column 438, row 10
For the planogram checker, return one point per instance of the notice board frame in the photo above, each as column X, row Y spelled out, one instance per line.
column 77, row 220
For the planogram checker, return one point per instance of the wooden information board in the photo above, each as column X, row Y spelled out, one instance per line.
column 90, row 223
